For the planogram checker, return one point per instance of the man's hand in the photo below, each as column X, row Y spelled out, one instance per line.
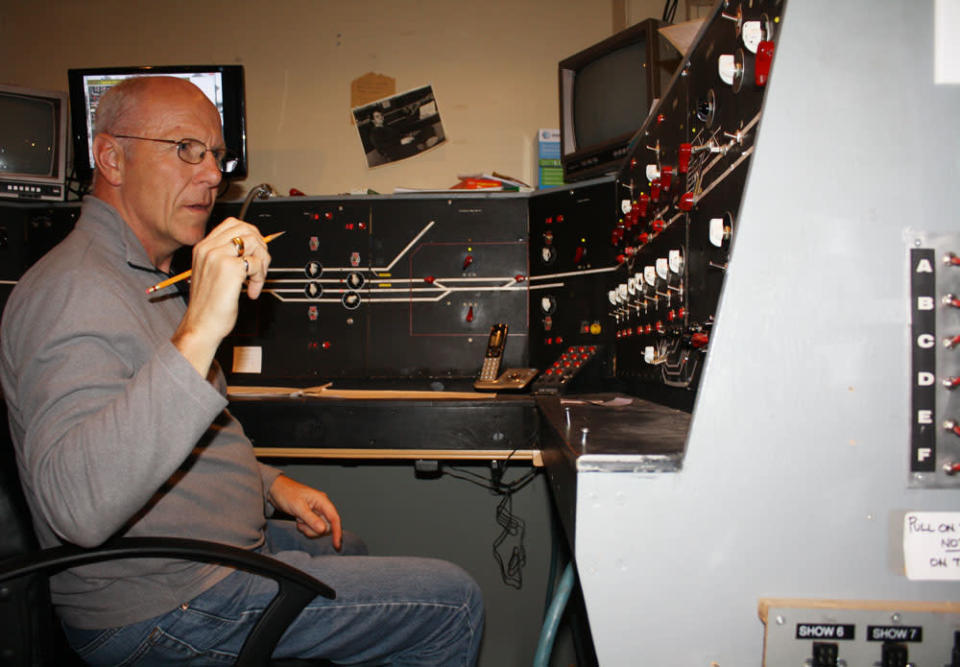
column 218, row 276
column 313, row 510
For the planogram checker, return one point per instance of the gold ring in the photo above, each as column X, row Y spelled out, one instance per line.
column 238, row 244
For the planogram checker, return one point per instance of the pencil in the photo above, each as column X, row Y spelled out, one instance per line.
column 186, row 274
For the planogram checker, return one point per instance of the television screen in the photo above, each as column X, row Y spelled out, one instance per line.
column 606, row 92
column 604, row 108
column 32, row 143
column 222, row 84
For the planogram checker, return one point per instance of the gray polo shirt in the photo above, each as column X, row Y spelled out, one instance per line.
column 115, row 431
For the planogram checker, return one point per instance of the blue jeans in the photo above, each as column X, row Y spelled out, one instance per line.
column 388, row 611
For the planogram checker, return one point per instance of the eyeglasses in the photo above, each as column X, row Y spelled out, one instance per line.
column 192, row 151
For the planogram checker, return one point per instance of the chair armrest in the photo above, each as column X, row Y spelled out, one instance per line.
column 296, row 588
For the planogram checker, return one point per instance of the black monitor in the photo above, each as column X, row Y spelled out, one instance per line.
column 223, row 84
column 33, row 143
column 606, row 92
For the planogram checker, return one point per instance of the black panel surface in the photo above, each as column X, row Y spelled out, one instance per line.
column 498, row 424
column 384, row 287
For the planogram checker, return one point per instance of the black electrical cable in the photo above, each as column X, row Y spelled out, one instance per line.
column 512, row 526
column 512, row 571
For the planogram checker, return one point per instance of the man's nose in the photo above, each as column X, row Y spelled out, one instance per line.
column 209, row 169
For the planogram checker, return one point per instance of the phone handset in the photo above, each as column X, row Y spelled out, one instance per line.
column 494, row 353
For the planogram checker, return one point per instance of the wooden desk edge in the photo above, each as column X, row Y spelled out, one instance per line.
column 532, row 455
column 765, row 604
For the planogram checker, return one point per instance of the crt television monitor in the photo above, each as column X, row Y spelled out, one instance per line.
column 606, row 92
column 223, row 84
column 33, row 143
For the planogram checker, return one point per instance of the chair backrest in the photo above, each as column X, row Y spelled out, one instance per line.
column 26, row 615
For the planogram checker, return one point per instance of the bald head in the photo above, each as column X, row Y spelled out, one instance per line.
column 163, row 194
column 123, row 108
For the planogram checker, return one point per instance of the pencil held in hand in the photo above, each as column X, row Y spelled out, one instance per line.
column 186, row 274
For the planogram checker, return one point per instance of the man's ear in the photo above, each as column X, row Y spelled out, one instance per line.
column 108, row 154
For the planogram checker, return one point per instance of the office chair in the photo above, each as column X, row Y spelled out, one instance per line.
column 31, row 636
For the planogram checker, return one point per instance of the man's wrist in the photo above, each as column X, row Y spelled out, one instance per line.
column 195, row 348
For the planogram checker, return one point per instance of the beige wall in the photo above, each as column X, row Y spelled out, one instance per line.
column 492, row 65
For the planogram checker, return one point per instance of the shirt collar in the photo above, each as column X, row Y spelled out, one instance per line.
column 103, row 220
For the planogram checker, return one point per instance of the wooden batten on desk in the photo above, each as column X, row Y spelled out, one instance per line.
column 532, row 455
column 327, row 391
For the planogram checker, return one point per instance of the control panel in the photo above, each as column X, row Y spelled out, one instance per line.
column 677, row 201
column 27, row 232
column 838, row 633
column 935, row 359
column 572, row 267
column 373, row 288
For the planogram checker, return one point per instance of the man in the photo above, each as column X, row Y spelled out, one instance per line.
column 386, row 139
column 117, row 411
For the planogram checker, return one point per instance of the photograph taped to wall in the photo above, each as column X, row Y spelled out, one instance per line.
column 400, row 126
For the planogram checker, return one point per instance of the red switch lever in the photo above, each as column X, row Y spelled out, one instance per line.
column 666, row 176
column 700, row 339
column 683, row 157
column 655, row 189
column 762, row 67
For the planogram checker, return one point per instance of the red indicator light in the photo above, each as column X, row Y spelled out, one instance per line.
column 429, row 280
column 686, row 202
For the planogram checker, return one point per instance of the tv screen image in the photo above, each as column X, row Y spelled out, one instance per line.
column 222, row 84
column 33, row 144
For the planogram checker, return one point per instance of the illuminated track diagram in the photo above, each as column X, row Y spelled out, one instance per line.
column 381, row 287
